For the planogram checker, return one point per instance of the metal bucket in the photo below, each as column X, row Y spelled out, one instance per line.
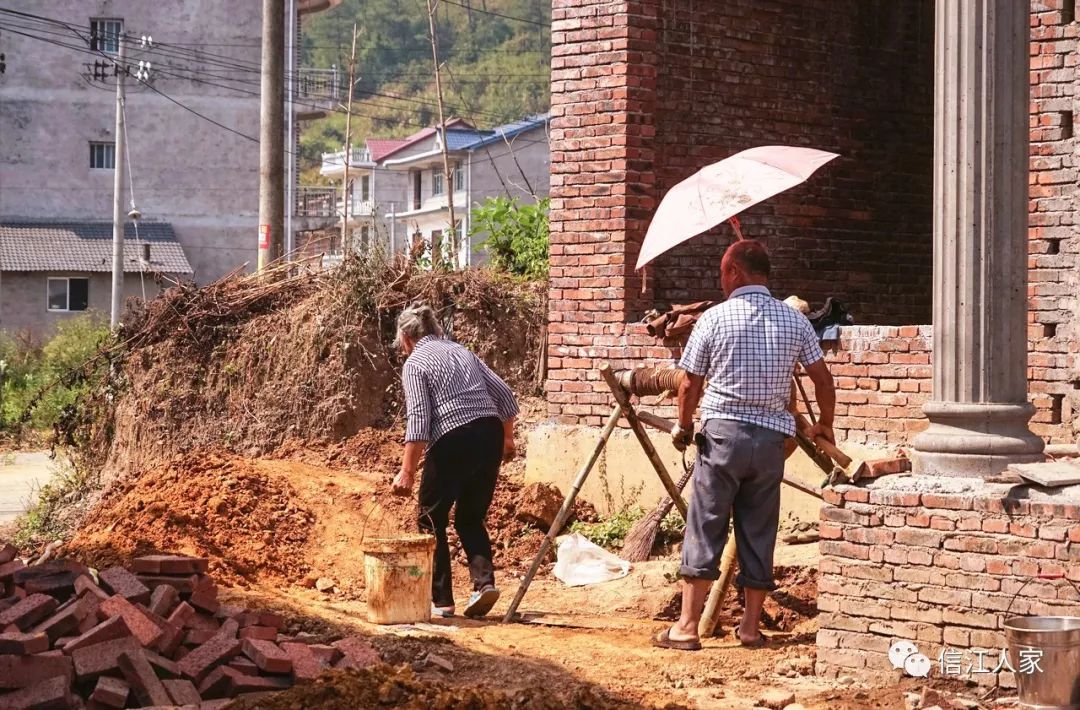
column 1057, row 685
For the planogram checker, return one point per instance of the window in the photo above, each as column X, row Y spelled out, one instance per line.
column 459, row 178
column 365, row 239
column 103, row 156
column 68, row 294
column 417, row 185
column 105, row 35
column 365, row 188
column 437, row 187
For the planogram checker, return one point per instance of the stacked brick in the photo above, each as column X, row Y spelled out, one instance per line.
column 940, row 567
column 1053, row 246
column 152, row 636
column 883, row 376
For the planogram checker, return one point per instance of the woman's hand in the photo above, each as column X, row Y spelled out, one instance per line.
column 509, row 449
column 403, row 483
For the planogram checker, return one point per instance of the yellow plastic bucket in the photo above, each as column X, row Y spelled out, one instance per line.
column 397, row 572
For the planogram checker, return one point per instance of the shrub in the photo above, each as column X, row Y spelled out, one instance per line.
column 517, row 235
column 43, row 378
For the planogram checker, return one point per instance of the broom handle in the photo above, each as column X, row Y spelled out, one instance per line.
column 564, row 512
column 667, row 504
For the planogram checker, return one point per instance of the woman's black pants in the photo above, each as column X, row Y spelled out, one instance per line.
column 461, row 469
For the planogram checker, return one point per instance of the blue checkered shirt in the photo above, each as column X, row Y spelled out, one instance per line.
column 747, row 347
column 447, row 386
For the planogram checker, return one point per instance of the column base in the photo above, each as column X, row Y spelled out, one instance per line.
column 976, row 440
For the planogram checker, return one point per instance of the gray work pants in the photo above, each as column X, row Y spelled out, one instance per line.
column 738, row 471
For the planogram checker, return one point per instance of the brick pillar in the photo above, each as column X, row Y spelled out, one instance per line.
column 603, row 84
column 979, row 416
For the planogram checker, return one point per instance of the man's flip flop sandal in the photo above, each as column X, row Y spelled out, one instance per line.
column 663, row 640
column 756, row 643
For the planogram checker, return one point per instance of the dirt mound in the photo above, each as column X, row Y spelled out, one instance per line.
column 248, row 365
column 280, row 521
column 246, row 522
column 386, row 687
column 787, row 609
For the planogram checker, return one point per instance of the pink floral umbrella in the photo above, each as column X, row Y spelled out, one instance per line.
column 722, row 190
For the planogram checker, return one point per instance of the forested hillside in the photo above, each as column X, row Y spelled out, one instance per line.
column 495, row 58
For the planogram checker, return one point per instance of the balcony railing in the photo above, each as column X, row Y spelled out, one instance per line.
column 325, row 201
column 320, row 85
column 332, row 162
column 316, row 201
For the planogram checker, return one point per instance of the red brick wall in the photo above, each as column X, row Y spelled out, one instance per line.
column 852, row 77
column 1054, row 248
column 645, row 91
column 939, row 569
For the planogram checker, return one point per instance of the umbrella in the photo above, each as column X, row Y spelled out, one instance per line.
column 720, row 191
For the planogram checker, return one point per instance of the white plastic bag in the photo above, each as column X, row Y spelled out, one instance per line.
column 579, row 562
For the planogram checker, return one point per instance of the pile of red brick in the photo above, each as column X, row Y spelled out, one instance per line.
column 154, row 635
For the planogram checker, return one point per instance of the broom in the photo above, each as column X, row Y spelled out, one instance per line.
column 641, row 538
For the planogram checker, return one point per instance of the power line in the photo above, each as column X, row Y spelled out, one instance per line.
column 144, row 83
column 498, row 14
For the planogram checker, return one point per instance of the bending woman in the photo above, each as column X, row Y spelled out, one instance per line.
column 462, row 414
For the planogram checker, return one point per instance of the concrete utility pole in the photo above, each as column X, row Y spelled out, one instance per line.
column 449, row 176
column 346, row 241
column 118, row 190
column 290, row 128
column 272, row 135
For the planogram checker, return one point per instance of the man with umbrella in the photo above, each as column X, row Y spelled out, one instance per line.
column 746, row 348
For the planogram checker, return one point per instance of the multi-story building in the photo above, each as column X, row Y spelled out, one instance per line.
column 192, row 148
column 398, row 186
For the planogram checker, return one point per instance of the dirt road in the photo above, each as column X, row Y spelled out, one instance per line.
column 21, row 475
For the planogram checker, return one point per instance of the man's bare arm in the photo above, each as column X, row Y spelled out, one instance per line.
column 825, row 394
column 690, row 390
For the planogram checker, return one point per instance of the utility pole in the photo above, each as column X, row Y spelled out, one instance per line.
column 272, row 134
column 118, row 189
column 290, row 128
column 346, row 241
column 432, row 5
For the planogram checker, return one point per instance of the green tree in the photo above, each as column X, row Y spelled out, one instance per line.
column 517, row 235
column 496, row 69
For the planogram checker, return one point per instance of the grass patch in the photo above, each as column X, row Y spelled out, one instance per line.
column 55, row 507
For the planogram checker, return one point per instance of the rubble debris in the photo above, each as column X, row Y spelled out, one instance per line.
column 539, row 504
column 175, row 645
column 776, row 698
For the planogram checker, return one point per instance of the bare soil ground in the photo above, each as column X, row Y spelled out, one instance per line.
column 274, row 526
column 279, row 486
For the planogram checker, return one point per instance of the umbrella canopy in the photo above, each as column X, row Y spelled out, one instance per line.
column 720, row 191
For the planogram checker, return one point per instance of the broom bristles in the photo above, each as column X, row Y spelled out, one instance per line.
column 640, row 540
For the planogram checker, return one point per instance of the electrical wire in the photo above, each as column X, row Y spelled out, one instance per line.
column 131, row 194
column 497, row 14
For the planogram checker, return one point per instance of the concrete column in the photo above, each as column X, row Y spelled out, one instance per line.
column 980, row 412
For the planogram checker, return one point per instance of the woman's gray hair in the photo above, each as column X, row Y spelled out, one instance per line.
column 415, row 322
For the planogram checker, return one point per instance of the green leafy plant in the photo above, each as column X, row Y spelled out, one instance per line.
column 610, row 532
column 28, row 371
column 517, row 235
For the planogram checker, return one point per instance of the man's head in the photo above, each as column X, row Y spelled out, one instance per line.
column 745, row 263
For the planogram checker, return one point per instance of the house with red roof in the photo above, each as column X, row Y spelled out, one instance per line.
column 399, row 194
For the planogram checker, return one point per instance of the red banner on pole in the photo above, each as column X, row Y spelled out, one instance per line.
column 264, row 236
